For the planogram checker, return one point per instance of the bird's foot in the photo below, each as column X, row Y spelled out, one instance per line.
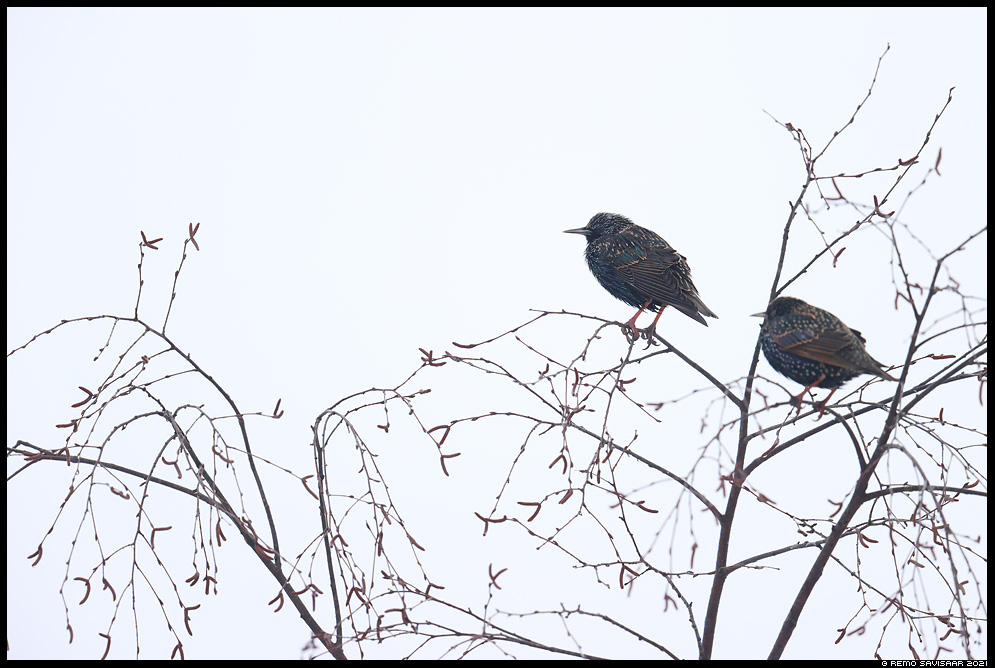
column 821, row 405
column 650, row 334
column 633, row 335
column 798, row 401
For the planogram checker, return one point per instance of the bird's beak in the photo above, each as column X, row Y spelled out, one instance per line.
column 758, row 315
column 579, row 230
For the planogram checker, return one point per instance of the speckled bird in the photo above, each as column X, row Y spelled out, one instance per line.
column 638, row 267
column 813, row 347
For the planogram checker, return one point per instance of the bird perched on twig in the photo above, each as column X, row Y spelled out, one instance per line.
column 638, row 267
column 813, row 347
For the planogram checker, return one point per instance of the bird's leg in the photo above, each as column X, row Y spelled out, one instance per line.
column 822, row 406
column 631, row 324
column 797, row 401
column 652, row 328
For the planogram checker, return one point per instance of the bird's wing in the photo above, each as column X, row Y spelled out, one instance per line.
column 817, row 343
column 657, row 271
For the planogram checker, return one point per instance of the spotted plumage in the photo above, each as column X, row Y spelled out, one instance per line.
column 638, row 267
column 813, row 347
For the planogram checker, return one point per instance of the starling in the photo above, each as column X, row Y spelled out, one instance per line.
column 638, row 267
column 813, row 347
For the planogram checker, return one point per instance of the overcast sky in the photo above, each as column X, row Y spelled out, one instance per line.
column 369, row 182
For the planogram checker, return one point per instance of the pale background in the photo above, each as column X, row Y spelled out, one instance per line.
column 374, row 181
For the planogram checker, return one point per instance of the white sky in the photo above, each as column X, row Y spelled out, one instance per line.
column 369, row 182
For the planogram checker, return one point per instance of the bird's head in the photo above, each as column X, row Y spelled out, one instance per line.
column 602, row 224
column 780, row 307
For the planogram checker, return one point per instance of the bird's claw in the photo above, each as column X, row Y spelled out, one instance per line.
column 633, row 334
column 650, row 334
column 797, row 403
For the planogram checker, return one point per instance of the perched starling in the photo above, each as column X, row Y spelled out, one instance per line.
column 638, row 267
column 813, row 347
